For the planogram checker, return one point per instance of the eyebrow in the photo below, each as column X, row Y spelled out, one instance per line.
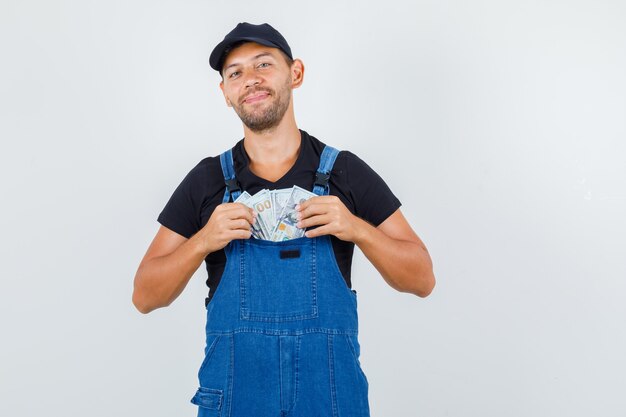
column 234, row 64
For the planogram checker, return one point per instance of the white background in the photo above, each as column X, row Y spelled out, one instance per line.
column 500, row 125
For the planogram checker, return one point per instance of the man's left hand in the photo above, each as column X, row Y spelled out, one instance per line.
column 330, row 215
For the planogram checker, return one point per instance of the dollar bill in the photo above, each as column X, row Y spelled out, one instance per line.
column 257, row 232
column 286, row 228
column 243, row 197
column 279, row 199
column 276, row 212
column 261, row 202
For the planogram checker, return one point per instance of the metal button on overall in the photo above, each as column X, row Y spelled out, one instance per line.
column 282, row 328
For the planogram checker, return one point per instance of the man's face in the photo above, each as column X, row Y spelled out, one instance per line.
column 257, row 84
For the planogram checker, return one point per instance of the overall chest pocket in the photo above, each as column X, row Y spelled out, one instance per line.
column 278, row 280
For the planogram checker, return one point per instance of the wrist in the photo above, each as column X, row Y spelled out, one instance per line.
column 200, row 243
column 362, row 231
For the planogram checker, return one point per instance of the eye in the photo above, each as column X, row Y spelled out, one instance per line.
column 264, row 63
column 232, row 74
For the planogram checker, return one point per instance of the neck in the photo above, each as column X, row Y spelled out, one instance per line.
column 273, row 147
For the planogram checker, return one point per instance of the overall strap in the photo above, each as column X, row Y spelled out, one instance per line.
column 327, row 160
column 228, row 169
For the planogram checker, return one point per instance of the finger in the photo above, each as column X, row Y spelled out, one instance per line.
column 239, row 211
column 318, row 231
column 317, row 220
column 313, row 200
column 242, row 224
column 312, row 210
column 319, row 208
column 239, row 234
column 242, row 206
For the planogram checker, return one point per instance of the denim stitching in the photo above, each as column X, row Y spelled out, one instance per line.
column 331, row 368
column 205, row 390
column 356, row 358
column 230, row 376
column 336, row 271
column 208, row 354
column 312, row 309
column 280, row 375
column 284, row 332
column 242, row 285
column 314, row 276
column 297, row 364
column 230, row 251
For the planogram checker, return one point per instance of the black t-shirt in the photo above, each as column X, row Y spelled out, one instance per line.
column 359, row 187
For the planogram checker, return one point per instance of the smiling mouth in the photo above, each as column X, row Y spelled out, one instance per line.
column 256, row 97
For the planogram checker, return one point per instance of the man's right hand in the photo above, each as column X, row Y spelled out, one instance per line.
column 172, row 259
column 229, row 221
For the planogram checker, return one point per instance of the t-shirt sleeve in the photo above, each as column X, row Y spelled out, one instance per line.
column 373, row 199
column 182, row 211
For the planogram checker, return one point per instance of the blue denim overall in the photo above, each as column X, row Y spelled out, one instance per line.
column 282, row 327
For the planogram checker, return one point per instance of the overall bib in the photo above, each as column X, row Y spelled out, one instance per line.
column 282, row 327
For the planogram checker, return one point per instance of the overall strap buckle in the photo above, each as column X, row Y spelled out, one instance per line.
column 321, row 179
column 322, row 176
column 233, row 189
column 232, row 185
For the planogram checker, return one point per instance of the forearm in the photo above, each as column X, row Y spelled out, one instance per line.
column 405, row 265
column 160, row 280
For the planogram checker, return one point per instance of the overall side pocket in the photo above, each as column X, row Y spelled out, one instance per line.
column 355, row 348
column 209, row 402
column 215, row 375
column 350, row 384
column 211, row 342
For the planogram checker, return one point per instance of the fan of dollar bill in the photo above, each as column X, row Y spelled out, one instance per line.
column 276, row 212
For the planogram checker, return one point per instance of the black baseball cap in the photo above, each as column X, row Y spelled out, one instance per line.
column 263, row 34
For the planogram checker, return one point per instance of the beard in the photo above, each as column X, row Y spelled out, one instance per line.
column 258, row 120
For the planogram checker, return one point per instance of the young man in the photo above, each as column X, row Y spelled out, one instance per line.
column 281, row 333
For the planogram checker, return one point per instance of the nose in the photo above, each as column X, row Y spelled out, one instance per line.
column 252, row 79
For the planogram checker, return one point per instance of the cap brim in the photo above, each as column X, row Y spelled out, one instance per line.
column 218, row 51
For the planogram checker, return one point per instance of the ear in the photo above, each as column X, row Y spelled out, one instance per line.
column 297, row 73
column 228, row 103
